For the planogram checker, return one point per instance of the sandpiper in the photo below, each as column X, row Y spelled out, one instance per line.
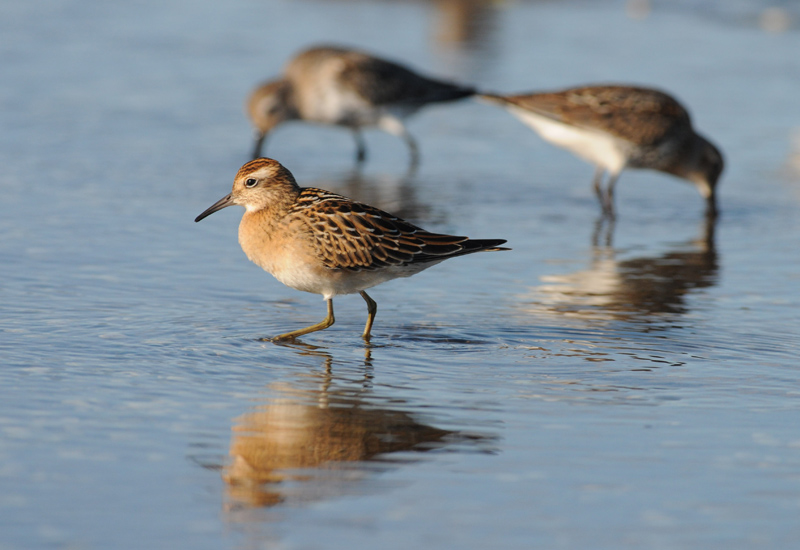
column 320, row 242
column 350, row 88
column 617, row 127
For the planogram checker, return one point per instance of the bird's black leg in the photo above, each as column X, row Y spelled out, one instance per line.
column 413, row 148
column 608, row 207
column 361, row 146
column 597, row 185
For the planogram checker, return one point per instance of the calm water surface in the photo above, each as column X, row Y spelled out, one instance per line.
column 625, row 386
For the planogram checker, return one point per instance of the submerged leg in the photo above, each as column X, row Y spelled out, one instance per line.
column 711, row 205
column 395, row 126
column 260, row 137
column 325, row 323
column 412, row 147
column 597, row 185
column 361, row 146
column 608, row 207
column 372, row 307
column 603, row 233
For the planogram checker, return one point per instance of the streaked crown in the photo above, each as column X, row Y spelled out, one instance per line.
column 264, row 183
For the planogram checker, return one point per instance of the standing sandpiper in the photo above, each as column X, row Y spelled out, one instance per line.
column 324, row 243
column 349, row 88
column 618, row 127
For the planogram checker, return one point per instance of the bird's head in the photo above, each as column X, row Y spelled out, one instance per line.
column 261, row 183
column 270, row 105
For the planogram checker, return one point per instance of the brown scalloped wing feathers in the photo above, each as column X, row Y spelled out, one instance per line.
column 354, row 236
column 640, row 115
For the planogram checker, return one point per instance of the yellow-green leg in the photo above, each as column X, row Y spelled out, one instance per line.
column 325, row 323
column 372, row 307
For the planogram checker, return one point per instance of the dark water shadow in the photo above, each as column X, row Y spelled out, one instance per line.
column 642, row 291
column 322, row 435
column 437, row 336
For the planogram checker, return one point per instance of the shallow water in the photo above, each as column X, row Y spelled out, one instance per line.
column 634, row 386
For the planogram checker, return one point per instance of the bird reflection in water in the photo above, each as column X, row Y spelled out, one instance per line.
column 465, row 37
column 318, row 437
column 464, row 33
column 466, row 24
column 637, row 289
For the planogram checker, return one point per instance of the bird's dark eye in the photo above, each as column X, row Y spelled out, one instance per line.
column 251, row 182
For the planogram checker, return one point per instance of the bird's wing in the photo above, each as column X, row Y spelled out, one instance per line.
column 639, row 114
column 383, row 82
column 353, row 236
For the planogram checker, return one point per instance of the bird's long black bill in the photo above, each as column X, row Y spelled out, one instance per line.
column 225, row 201
column 259, row 146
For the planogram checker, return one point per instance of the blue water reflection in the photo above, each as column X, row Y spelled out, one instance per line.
column 646, row 291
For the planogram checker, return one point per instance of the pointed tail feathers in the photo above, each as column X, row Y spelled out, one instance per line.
column 483, row 245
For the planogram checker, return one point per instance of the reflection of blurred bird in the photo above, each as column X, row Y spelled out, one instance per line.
column 465, row 23
column 349, row 88
column 289, row 435
column 636, row 288
column 306, row 429
column 320, row 242
column 618, row 127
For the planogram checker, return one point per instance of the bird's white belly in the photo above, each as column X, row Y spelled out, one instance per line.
column 332, row 105
column 299, row 278
column 596, row 147
column 337, row 282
